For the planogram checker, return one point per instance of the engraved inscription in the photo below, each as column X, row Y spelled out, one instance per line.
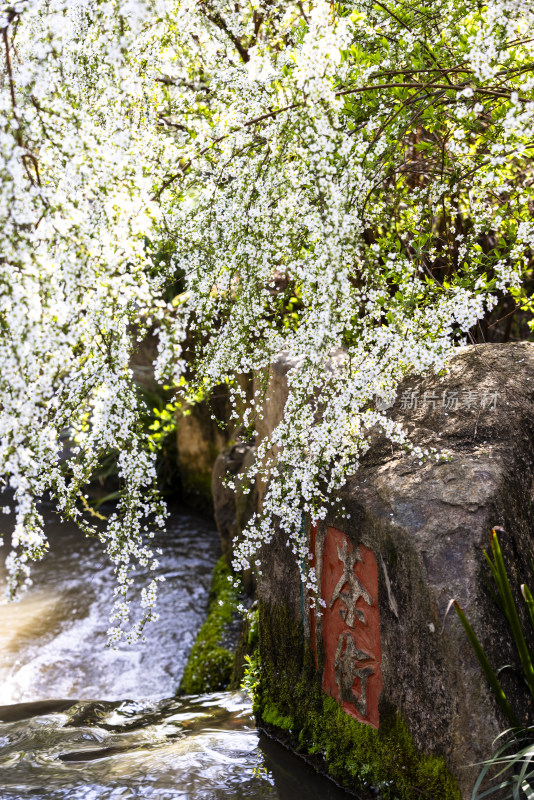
column 350, row 626
column 354, row 588
column 347, row 669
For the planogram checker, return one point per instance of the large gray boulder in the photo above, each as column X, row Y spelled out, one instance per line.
column 414, row 540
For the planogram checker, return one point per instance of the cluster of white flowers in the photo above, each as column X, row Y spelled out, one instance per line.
column 77, row 212
column 349, row 183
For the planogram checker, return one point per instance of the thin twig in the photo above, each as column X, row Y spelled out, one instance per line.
column 18, row 134
column 357, row 90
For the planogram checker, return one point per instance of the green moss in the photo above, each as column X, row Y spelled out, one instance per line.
column 246, row 647
column 288, row 697
column 272, row 717
column 210, row 664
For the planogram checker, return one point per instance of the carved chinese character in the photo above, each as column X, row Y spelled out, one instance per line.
column 350, row 626
column 355, row 588
column 347, row 670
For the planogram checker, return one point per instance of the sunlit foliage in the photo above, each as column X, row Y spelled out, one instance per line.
column 350, row 183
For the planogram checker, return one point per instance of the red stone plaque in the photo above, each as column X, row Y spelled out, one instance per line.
column 350, row 626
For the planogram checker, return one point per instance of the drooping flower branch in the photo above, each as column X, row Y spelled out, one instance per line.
column 367, row 162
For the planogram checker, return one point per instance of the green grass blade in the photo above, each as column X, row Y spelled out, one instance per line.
column 108, row 498
column 491, row 677
column 492, row 591
column 506, row 762
column 512, row 615
column 496, row 578
column 529, row 600
column 527, row 762
column 480, row 780
column 492, row 790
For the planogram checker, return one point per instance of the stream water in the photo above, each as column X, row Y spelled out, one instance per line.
column 85, row 722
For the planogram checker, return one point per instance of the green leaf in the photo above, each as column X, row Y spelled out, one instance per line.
column 529, row 600
column 510, row 610
column 491, row 677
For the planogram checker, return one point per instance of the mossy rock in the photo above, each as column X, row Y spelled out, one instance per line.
column 290, row 704
column 210, row 664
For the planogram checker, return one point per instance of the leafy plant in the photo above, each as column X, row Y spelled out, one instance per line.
column 515, row 760
column 160, row 422
column 251, row 676
column 516, row 755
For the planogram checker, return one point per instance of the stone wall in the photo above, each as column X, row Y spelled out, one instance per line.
column 386, row 671
column 205, row 431
column 199, row 437
column 199, row 440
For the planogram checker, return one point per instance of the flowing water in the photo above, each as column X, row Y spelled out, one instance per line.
column 80, row 721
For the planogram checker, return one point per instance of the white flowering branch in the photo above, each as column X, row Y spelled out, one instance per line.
column 349, row 183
